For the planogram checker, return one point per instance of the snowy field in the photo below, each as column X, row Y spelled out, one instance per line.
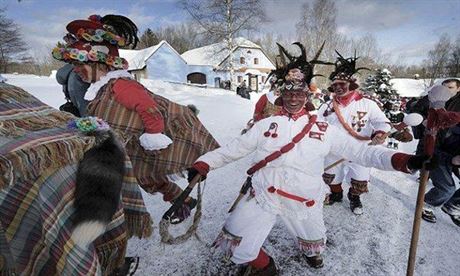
column 375, row 243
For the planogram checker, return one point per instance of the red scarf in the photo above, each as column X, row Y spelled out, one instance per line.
column 347, row 99
column 344, row 101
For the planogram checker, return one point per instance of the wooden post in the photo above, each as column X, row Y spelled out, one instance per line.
column 417, row 219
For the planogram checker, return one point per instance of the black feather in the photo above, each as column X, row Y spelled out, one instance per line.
column 123, row 27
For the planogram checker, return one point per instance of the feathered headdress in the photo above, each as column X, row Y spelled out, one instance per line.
column 345, row 68
column 295, row 72
column 97, row 40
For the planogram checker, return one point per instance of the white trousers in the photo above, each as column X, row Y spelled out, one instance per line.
column 251, row 224
column 355, row 171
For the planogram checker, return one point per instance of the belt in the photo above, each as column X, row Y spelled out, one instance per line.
column 306, row 201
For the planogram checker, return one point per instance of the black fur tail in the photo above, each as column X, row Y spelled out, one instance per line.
column 98, row 187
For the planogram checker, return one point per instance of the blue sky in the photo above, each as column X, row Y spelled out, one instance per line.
column 407, row 29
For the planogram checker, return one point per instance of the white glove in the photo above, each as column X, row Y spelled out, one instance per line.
column 154, row 141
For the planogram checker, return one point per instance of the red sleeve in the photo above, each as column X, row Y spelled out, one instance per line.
column 134, row 96
column 260, row 105
column 201, row 167
column 399, row 162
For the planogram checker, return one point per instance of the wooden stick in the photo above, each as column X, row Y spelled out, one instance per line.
column 244, row 189
column 417, row 218
column 334, row 164
column 180, row 200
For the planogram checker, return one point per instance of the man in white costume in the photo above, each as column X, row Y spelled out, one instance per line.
column 363, row 121
column 288, row 181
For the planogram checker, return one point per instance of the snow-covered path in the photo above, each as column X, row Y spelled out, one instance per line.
column 376, row 243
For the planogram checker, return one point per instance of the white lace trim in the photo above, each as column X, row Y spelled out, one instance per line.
column 95, row 87
column 271, row 96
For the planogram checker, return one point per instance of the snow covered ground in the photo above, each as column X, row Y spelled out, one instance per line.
column 375, row 243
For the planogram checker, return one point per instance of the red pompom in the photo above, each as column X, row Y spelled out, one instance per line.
column 310, row 203
column 266, row 134
column 274, row 135
column 95, row 18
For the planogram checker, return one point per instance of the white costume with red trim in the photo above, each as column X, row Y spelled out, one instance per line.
column 365, row 118
column 297, row 172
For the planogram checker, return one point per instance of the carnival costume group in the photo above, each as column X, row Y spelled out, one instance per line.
column 159, row 139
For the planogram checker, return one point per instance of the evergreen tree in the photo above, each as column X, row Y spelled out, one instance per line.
column 379, row 84
column 148, row 39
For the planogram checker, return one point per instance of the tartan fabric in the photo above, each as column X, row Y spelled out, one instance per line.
column 37, row 168
column 190, row 140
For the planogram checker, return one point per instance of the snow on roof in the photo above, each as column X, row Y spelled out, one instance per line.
column 137, row 59
column 215, row 53
column 413, row 87
column 409, row 87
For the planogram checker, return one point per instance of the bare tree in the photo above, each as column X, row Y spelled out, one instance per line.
column 454, row 60
column 317, row 24
column 437, row 60
column 183, row 37
column 11, row 43
column 223, row 19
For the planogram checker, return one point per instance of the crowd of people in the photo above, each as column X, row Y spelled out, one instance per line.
column 297, row 131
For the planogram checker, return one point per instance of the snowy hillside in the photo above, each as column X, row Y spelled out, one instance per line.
column 375, row 243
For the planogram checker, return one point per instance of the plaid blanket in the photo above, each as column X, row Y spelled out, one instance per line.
column 152, row 169
column 38, row 162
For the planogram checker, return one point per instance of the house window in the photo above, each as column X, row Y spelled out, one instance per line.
column 249, row 52
column 242, row 60
column 240, row 79
column 256, row 61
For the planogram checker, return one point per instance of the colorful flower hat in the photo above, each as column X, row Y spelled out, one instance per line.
column 97, row 40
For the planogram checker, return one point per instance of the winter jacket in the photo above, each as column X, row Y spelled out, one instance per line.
column 449, row 139
column 73, row 87
column 298, row 171
column 421, row 107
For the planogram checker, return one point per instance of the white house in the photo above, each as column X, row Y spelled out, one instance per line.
column 160, row 62
column 210, row 64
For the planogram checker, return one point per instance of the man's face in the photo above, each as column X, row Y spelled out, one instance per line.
column 341, row 87
column 452, row 86
column 85, row 72
column 294, row 101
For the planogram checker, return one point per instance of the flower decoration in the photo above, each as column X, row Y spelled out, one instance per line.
column 64, row 53
column 98, row 35
column 88, row 124
column 295, row 75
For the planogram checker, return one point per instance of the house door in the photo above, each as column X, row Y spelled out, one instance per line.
column 217, row 82
column 253, row 83
column 196, row 78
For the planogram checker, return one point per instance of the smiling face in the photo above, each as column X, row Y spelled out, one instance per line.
column 294, row 101
column 341, row 88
